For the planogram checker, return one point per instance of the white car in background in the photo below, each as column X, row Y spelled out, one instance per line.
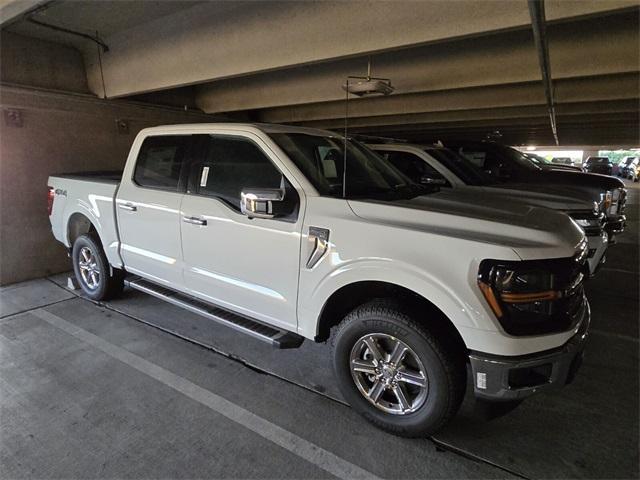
column 458, row 177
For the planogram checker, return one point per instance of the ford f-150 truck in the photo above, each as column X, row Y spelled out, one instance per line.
column 458, row 177
column 288, row 234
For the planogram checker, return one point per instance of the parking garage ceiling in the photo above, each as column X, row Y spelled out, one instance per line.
column 460, row 69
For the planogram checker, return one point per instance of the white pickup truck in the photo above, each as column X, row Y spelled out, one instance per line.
column 456, row 174
column 263, row 229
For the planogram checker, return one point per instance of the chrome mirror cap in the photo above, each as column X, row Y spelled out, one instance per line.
column 258, row 202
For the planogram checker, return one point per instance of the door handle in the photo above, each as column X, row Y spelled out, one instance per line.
column 128, row 206
column 195, row 221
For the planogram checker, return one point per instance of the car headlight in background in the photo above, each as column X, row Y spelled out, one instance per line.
column 607, row 199
column 591, row 223
column 587, row 222
column 534, row 297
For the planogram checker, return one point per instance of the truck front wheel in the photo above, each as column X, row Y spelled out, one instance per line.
column 396, row 372
column 92, row 269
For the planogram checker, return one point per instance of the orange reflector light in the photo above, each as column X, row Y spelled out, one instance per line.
column 487, row 291
column 529, row 297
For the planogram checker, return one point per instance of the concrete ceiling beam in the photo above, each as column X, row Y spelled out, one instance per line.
column 611, row 87
column 488, row 116
column 205, row 43
column 612, row 42
column 13, row 10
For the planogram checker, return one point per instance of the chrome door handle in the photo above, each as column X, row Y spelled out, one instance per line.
column 128, row 206
column 195, row 221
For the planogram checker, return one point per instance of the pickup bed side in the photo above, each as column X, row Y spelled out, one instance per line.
column 86, row 201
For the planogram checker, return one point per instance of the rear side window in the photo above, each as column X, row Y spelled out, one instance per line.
column 231, row 164
column 160, row 161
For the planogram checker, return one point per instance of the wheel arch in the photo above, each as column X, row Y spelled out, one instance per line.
column 79, row 224
column 350, row 296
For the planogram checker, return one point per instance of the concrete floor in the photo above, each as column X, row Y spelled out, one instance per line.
column 101, row 391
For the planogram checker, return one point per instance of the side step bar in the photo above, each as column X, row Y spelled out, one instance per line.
column 276, row 337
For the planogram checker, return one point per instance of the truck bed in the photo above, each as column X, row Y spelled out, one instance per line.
column 90, row 195
column 103, row 176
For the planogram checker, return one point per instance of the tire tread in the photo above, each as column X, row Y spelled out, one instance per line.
column 444, row 348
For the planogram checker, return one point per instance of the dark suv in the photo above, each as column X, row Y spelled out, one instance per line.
column 598, row 165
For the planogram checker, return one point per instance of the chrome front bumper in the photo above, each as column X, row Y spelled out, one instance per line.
column 510, row 378
column 615, row 224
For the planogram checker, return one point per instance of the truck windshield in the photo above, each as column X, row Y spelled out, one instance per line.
column 518, row 157
column 461, row 167
column 321, row 159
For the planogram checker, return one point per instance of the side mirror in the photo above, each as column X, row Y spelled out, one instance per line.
column 426, row 180
column 261, row 202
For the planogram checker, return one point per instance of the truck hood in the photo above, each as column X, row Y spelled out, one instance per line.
column 576, row 179
column 544, row 196
column 532, row 232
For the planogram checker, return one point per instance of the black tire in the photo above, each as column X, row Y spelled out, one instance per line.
column 441, row 357
column 108, row 284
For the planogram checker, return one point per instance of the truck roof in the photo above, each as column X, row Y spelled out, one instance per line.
column 263, row 127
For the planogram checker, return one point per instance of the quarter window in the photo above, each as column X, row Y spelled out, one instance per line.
column 160, row 161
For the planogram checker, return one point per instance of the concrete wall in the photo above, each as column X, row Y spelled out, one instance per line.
column 33, row 62
column 59, row 132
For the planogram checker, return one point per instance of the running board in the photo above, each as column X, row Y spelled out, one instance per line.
column 276, row 337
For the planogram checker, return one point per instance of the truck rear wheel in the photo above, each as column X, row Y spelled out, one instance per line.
column 396, row 372
column 92, row 269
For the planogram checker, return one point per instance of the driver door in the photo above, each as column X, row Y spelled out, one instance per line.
column 247, row 265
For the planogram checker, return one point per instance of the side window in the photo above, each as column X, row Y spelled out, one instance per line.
column 413, row 166
column 477, row 158
column 160, row 160
column 231, row 164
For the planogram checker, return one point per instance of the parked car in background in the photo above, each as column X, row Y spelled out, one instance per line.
column 458, row 178
column 568, row 161
column 543, row 163
column 508, row 165
column 630, row 168
column 635, row 171
column 601, row 165
column 619, row 166
column 260, row 228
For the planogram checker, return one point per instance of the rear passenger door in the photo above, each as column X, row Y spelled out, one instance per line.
column 246, row 265
column 148, row 209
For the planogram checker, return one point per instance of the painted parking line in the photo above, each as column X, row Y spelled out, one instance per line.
column 617, row 336
column 299, row 446
column 618, row 270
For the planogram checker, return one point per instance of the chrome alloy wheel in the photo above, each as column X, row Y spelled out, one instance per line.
column 89, row 268
column 388, row 373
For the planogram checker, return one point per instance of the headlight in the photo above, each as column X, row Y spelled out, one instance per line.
column 533, row 297
column 590, row 222
column 607, row 199
column 587, row 222
column 615, row 195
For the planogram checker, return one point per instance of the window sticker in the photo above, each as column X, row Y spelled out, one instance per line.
column 204, row 176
